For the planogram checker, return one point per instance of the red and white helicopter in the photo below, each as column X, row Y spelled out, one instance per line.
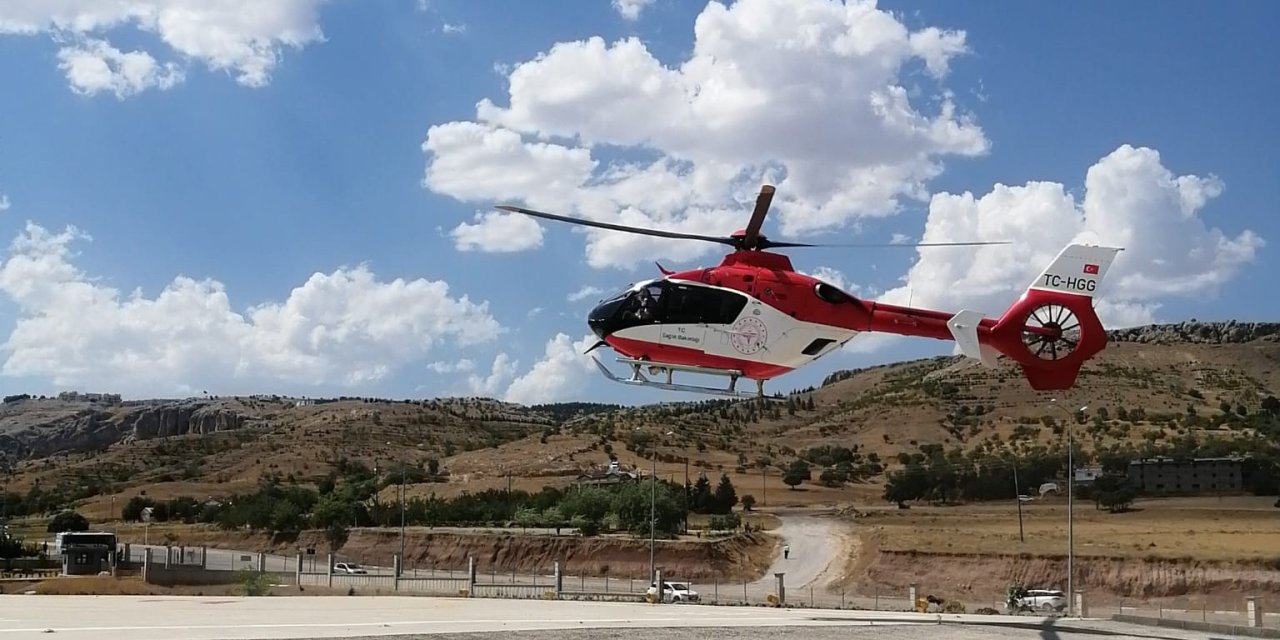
column 755, row 317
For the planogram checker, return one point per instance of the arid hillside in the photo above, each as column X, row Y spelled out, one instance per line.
column 1185, row 383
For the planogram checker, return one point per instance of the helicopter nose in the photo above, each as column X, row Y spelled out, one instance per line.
column 598, row 320
column 605, row 318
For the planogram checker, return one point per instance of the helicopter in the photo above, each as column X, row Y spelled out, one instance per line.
column 753, row 316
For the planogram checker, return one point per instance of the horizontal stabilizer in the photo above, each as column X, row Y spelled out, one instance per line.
column 964, row 328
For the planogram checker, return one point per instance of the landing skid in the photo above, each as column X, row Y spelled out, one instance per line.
column 637, row 378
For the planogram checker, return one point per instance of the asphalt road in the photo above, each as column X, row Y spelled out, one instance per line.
column 227, row 618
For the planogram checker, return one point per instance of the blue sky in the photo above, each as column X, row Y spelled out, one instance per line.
column 258, row 180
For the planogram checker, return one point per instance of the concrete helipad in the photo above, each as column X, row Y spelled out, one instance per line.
column 207, row 618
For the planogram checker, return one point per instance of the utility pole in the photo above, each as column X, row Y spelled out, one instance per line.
column 1017, row 495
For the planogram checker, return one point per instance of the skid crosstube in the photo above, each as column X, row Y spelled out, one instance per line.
column 637, row 378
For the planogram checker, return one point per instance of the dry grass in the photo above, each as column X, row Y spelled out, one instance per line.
column 1230, row 528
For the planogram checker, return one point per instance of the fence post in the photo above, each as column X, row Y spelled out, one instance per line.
column 204, row 557
column 297, row 572
column 1081, row 610
column 911, row 595
column 1252, row 611
column 262, row 562
column 559, row 585
column 659, row 596
column 471, row 576
column 782, row 588
column 328, row 570
column 168, row 557
column 146, row 565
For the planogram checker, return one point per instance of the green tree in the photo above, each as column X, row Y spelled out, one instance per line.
column 748, row 502
column 68, row 521
column 725, row 496
column 911, row 483
column 797, row 472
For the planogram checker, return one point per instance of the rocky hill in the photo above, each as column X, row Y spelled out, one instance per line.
column 1153, row 385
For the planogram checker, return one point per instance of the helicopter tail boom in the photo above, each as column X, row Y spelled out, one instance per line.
column 1049, row 331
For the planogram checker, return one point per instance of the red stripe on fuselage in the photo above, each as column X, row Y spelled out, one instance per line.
column 671, row 354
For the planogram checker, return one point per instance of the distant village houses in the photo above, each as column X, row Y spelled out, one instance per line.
column 1196, row 475
column 76, row 396
column 612, row 474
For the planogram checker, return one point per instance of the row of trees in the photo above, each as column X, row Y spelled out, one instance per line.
column 351, row 501
column 947, row 476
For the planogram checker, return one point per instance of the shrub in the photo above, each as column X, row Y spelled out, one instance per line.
column 254, row 583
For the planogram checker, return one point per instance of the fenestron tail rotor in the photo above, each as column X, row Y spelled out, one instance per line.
column 1052, row 332
column 747, row 240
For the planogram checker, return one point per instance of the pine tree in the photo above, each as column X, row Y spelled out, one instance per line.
column 725, row 497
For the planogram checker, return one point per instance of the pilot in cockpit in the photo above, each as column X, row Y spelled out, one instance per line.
column 645, row 305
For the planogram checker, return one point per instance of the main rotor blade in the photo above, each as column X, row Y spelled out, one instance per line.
column 618, row 227
column 767, row 244
column 757, row 216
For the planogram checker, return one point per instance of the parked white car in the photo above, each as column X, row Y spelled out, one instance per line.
column 350, row 568
column 675, row 592
column 1040, row 600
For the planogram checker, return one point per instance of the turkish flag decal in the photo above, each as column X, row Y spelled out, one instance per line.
column 1091, row 268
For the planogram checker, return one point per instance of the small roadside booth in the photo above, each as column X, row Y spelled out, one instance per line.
column 87, row 553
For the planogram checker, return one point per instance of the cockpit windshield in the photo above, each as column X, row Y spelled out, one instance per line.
column 665, row 301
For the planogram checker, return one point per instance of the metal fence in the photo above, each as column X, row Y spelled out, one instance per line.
column 479, row 581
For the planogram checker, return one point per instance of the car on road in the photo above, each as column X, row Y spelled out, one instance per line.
column 1039, row 600
column 350, row 568
column 675, row 592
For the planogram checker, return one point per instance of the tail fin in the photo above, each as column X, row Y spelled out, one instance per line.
column 1052, row 328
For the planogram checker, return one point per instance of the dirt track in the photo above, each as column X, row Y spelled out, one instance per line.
column 818, row 548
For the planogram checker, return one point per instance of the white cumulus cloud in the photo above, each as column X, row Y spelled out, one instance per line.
column 584, row 293
column 503, row 369
column 340, row 328
column 561, row 372
column 498, row 232
column 1131, row 200
column 806, row 94
column 96, row 66
column 630, row 9
column 4, row 202
column 243, row 37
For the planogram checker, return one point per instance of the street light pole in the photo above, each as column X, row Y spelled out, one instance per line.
column 402, row 497
column 1071, row 477
column 653, row 501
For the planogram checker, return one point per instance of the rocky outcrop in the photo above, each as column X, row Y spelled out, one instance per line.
column 1230, row 332
column 91, row 427
column 170, row 420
